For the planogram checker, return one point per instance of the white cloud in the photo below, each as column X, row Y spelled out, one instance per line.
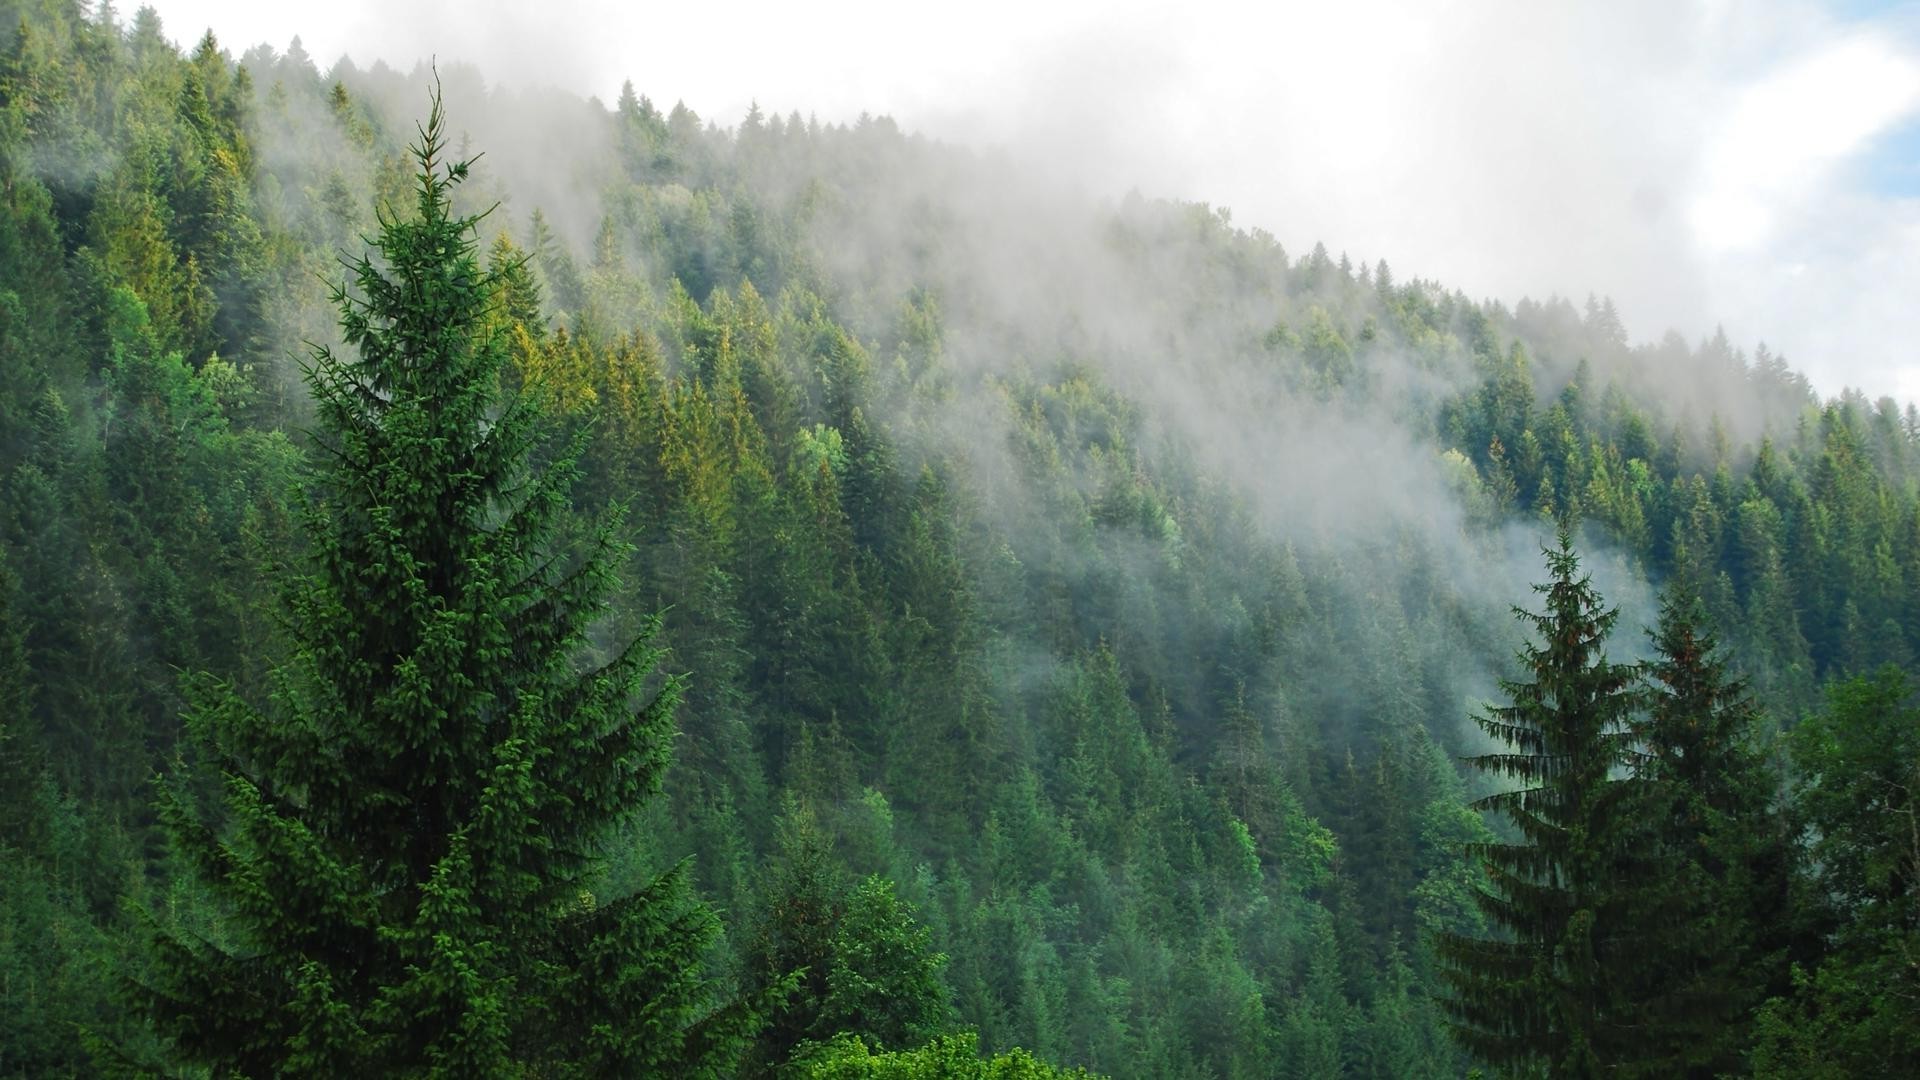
column 1790, row 128
column 1684, row 158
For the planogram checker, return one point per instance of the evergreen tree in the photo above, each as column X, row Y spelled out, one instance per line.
column 865, row 966
column 1032, row 648
column 1716, row 909
column 406, row 878
column 1858, row 800
column 1543, row 995
column 885, row 982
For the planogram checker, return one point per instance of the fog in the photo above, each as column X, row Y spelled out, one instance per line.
column 1702, row 163
column 1031, row 200
column 1127, row 445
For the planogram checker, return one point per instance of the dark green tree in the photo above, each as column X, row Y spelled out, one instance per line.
column 407, row 878
column 865, row 966
column 1542, row 995
column 1858, row 798
column 1716, row 909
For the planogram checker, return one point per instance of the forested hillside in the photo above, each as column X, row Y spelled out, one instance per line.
column 1074, row 615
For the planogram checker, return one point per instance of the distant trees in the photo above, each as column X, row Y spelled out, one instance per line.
column 406, row 876
column 1162, row 769
column 867, row 967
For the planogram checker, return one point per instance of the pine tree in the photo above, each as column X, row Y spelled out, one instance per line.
column 1716, row 908
column 1542, row 995
column 405, row 879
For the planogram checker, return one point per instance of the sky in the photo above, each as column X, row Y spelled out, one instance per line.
column 1704, row 162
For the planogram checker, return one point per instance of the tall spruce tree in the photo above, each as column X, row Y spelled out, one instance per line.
column 1542, row 997
column 405, row 877
column 1716, row 907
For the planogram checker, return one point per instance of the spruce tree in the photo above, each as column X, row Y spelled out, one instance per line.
column 865, row 965
column 1715, row 908
column 1542, row 995
column 407, row 877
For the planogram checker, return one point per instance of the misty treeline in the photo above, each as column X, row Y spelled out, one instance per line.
column 1072, row 631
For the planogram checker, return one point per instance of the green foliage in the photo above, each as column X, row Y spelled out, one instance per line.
column 1547, row 996
column 1716, row 909
column 951, row 1057
column 405, row 879
column 885, row 978
column 58, row 956
column 1858, row 763
column 864, row 965
column 1157, row 751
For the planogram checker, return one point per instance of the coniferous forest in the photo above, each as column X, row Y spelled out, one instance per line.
column 494, row 583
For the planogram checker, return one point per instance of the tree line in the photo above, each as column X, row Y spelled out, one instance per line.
column 1042, row 741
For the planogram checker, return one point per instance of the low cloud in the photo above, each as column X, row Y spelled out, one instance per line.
column 1690, row 160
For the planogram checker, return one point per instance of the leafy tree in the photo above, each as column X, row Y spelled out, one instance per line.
column 560, row 274
column 885, row 981
column 406, row 877
column 1543, row 997
column 1290, row 844
column 1401, row 1037
column 800, row 913
column 952, row 1057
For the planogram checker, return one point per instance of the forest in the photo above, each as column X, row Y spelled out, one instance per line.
column 494, row 583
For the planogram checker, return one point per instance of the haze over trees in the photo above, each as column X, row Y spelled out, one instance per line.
column 791, row 599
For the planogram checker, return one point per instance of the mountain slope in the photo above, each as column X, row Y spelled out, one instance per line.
column 1113, row 582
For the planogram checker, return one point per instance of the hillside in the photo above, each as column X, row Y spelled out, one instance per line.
column 1088, row 601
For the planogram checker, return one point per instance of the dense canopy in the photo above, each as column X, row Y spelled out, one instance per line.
column 791, row 598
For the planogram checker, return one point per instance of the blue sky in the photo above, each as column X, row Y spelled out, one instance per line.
column 1889, row 166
